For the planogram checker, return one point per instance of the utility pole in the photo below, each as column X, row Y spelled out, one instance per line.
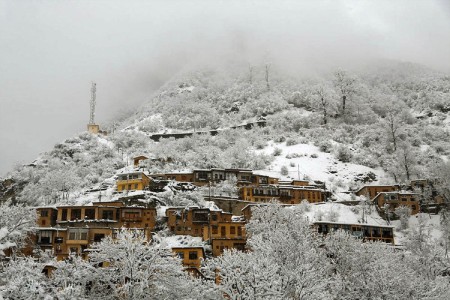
column 93, row 96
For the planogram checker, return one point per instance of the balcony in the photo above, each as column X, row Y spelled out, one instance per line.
column 131, row 219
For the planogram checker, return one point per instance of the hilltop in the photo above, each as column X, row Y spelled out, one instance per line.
column 396, row 116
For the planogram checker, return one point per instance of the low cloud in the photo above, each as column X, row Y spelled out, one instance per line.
column 51, row 51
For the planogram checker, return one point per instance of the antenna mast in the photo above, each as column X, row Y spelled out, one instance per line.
column 92, row 115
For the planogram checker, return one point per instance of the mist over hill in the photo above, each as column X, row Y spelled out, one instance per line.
column 395, row 118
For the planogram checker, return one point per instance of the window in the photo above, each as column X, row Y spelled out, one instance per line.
column 136, row 186
column 239, row 231
column 75, row 214
column 215, row 229
column 200, row 216
column 44, row 213
column 193, row 255
column 129, row 186
column 222, row 230
column 232, row 230
column 44, row 237
column 413, row 207
column 89, row 213
column 64, row 214
column 239, row 246
column 387, row 233
column 131, row 214
column 376, row 232
column 214, row 217
column 107, row 215
column 404, row 199
column 180, row 255
column 78, row 234
column 74, row 250
column 98, row 237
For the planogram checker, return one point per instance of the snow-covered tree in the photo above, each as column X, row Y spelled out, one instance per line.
column 15, row 224
column 246, row 275
column 22, row 278
column 135, row 269
column 403, row 212
column 284, row 237
column 345, row 85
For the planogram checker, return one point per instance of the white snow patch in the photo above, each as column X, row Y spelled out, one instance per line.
column 306, row 161
column 180, row 241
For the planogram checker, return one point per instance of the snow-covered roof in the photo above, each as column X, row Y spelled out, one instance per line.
column 178, row 241
column 346, row 223
column 340, row 213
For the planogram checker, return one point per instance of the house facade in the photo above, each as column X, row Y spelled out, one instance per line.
column 132, row 181
column 397, row 199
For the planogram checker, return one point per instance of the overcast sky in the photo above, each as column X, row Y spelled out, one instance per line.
column 50, row 51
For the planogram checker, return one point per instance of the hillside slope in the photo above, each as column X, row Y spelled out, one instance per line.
column 395, row 125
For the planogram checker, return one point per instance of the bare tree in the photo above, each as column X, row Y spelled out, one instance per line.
column 345, row 85
column 267, row 68
column 406, row 159
column 394, row 122
column 324, row 102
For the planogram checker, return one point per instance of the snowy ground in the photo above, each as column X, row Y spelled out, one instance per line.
column 305, row 161
column 343, row 214
column 168, row 242
column 432, row 227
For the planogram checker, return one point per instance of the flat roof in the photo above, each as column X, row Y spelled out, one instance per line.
column 354, row 224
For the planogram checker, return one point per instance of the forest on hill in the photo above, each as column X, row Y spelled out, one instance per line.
column 390, row 119
column 390, row 115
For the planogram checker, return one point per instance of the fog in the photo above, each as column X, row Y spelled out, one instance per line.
column 50, row 51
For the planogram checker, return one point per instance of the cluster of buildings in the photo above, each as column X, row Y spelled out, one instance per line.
column 418, row 195
column 67, row 230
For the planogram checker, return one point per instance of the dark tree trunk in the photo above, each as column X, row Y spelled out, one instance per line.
column 344, row 97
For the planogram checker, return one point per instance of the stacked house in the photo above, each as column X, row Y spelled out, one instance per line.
column 286, row 192
column 389, row 197
column 66, row 230
column 216, row 227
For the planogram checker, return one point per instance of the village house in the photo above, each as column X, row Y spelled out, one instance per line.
column 397, row 199
column 219, row 245
column 191, row 257
column 187, row 221
column 225, row 235
column 371, row 191
column 214, row 226
column 366, row 232
column 286, row 194
column 72, row 229
column 132, row 181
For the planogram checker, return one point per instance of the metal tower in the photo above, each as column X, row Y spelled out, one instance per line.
column 92, row 115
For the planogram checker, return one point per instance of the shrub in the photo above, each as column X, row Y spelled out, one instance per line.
column 284, row 171
column 325, row 146
column 291, row 142
column 343, row 154
column 277, row 152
